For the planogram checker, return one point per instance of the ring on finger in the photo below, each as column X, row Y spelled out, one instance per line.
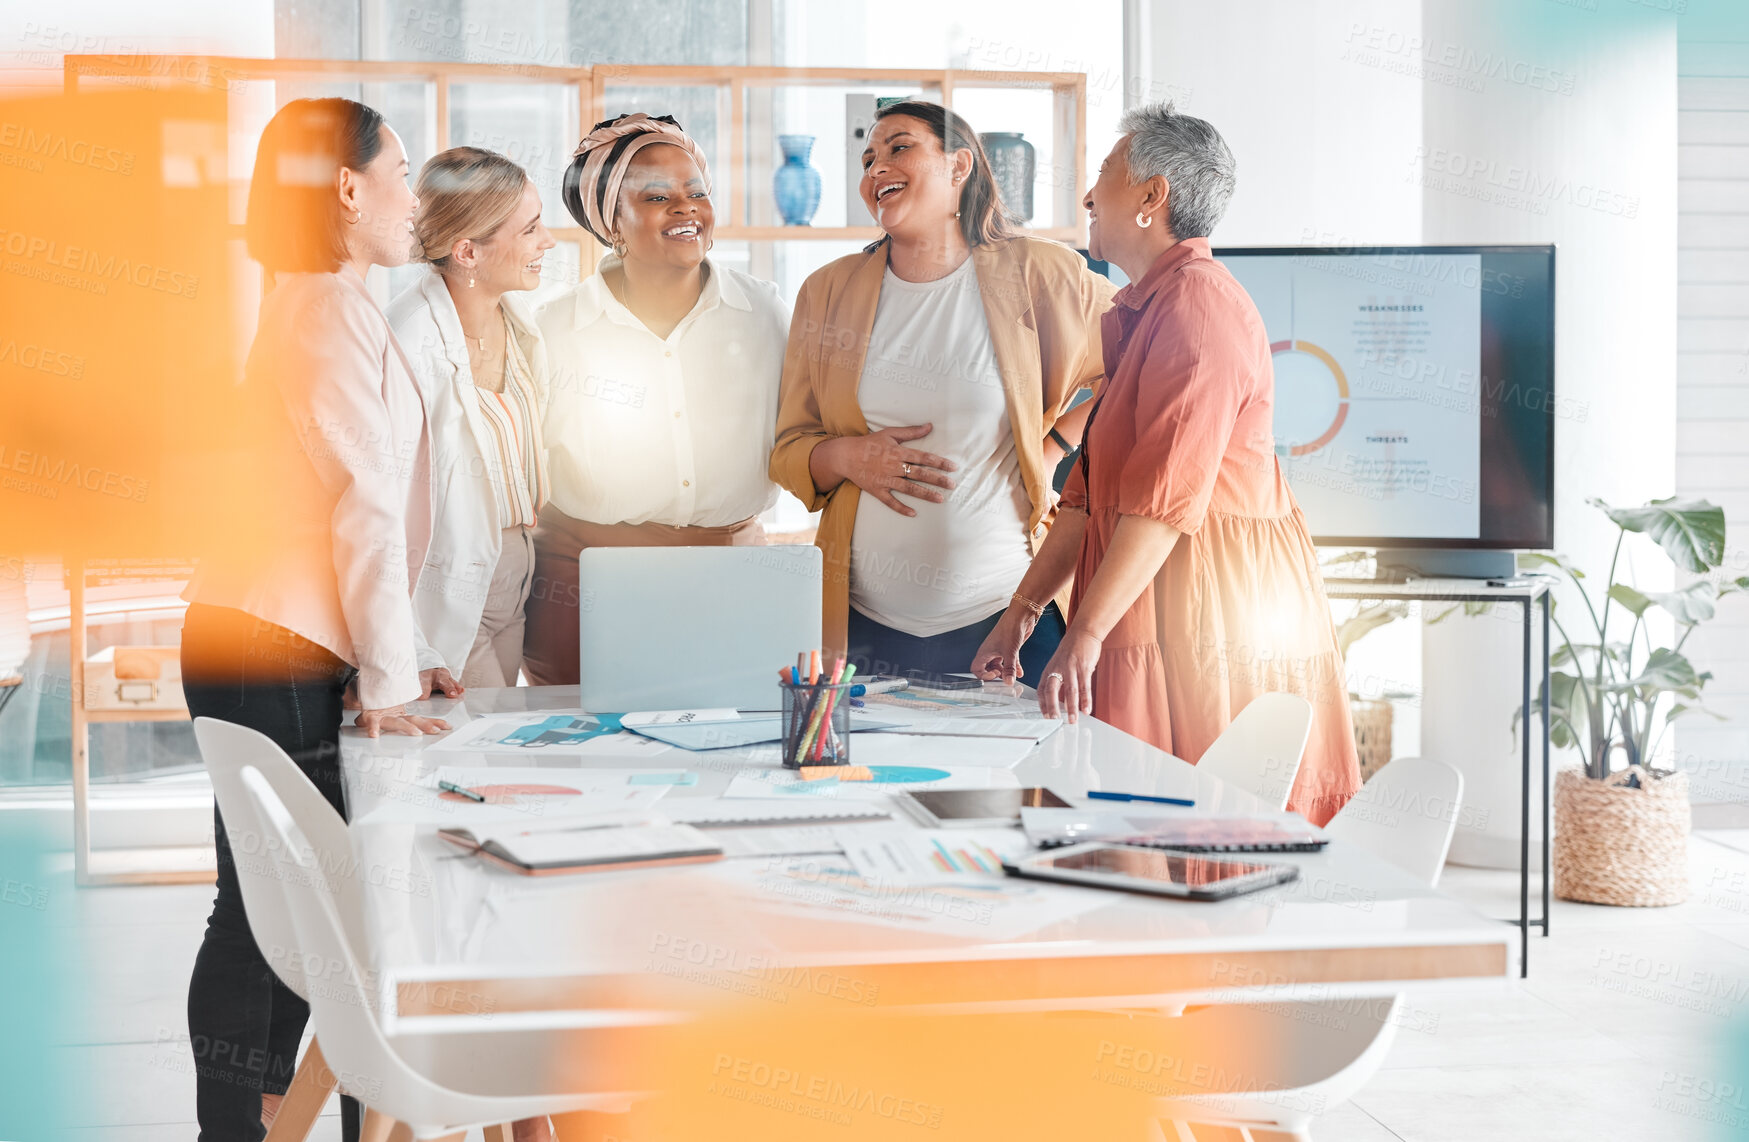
column 906, row 469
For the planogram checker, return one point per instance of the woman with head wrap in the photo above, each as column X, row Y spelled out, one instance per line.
column 664, row 372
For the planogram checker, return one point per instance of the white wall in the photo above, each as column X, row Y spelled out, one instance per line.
column 1712, row 371
column 1324, row 126
column 35, row 34
column 1405, row 121
column 1572, row 140
column 1394, row 121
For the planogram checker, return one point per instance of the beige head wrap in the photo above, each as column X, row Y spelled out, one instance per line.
column 601, row 165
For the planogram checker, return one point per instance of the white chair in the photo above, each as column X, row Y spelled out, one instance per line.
column 511, row 1058
column 1260, row 749
column 227, row 750
column 345, row 1015
column 1299, row 1059
column 1407, row 814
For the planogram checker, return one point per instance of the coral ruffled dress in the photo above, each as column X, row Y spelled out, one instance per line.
column 1182, row 434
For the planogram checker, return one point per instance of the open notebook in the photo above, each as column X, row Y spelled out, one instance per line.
column 580, row 847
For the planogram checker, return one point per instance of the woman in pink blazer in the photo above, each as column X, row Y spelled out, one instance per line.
column 314, row 595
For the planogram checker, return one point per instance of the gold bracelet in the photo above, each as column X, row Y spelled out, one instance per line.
column 1037, row 609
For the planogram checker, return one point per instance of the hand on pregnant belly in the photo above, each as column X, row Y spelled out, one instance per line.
column 881, row 465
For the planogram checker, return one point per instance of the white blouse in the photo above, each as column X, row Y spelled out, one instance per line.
column 930, row 361
column 677, row 431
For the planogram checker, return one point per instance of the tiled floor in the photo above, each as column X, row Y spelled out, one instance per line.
column 1617, row 1034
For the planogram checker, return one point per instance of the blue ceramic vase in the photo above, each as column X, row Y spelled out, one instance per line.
column 796, row 184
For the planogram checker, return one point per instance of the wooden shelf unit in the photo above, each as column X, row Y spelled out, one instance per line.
column 1068, row 89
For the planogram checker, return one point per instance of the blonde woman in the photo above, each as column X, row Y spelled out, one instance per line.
column 480, row 362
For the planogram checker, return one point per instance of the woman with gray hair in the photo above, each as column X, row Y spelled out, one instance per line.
column 1196, row 583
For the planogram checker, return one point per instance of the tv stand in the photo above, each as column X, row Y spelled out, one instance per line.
column 1444, row 563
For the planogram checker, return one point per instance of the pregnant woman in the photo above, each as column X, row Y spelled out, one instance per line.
column 925, row 403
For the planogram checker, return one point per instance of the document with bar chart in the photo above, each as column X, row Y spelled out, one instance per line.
column 903, row 855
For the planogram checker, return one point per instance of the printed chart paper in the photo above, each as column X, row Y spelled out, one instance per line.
column 897, row 854
column 548, row 732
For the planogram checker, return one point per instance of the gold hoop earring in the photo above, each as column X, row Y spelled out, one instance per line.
column 355, row 219
column 1143, row 220
column 618, row 247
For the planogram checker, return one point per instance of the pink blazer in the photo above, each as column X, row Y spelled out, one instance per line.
column 344, row 463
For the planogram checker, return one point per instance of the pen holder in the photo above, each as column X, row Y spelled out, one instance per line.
column 816, row 724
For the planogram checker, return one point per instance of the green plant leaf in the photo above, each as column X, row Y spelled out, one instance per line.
column 1630, row 598
column 1691, row 532
column 1692, row 604
column 1680, row 711
column 1733, row 586
column 1565, row 691
column 1666, row 670
column 1527, row 559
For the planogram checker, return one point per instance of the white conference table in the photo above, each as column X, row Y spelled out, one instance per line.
column 455, row 940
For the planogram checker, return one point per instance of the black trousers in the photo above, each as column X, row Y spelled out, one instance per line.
column 879, row 649
column 243, row 1023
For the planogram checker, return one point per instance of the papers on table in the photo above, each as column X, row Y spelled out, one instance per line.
column 703, row 733
column 558, row 732
column 643, row 718
column 788, row 783
column 989, row 910
column 1034, row 730
column 614, row 840
column 930, row 701
column 799, row 840
column 899, row 747
column 896, row 854
column 750, row 813
column 518, row 793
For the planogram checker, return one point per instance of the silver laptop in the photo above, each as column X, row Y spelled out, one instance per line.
column 669, row 628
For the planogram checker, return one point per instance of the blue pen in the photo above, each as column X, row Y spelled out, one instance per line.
column 1102, row 795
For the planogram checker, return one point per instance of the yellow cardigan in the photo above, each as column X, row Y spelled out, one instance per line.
column 1043, row 305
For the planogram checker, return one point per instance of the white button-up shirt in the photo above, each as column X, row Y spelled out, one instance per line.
column 679, row 430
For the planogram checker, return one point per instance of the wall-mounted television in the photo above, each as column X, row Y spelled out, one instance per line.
column 1415, row 402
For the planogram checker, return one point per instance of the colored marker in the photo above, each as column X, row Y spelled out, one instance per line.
column 460, row 791
column 1102, row 795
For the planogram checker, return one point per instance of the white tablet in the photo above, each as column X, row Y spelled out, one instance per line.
column 1160, row 872
column 974, row 808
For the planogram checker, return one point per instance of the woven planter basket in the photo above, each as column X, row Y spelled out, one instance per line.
column 1621, row 846
column 1372, row 734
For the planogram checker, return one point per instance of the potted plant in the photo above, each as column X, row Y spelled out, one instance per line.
column 1621, row 835
column 1372, row 716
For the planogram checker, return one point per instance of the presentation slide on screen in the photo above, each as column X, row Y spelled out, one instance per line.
column 1377, row 363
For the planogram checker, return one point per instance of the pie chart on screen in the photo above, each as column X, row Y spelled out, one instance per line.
column 1311, row 397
